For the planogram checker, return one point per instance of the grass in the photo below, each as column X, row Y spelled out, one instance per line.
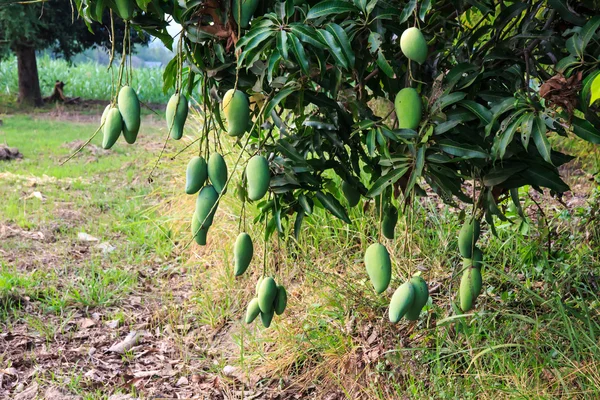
column 86, row 80
column 533, row 334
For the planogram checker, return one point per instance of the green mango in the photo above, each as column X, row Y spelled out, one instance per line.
column 217, row 171
column 421, row 297
column 125, row 8
column 129, row 107
column 470, row 287
column 237, row 112
column 205, row 205
column 252, row 311
column 388, row 224
column 379, row 266
column 401, row 302
column 280, row 300
column 198, row 234
column 350, row 193
column 177, row 111
column 195, row 175
column 266, row 294
column 266, row 318
column 243, row 251
column 409, row 108
column 112, row 128
column 468, row 236
column 414, row 45
column 247, row 8
column 258, row 177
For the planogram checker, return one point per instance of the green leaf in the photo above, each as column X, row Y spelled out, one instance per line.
column 541, row 176
column 539, row 138
column 306, row 204
column 253, row 44
column 500, row 173
column 298, row 224
column 502, row 141
column 461, row 149
column 407, row 11
column 371, row 142
column 448, row 99
column 424, row 9
column 386, row 180
column 333, row 205
column 585, row 130
column 330, row 7
column 342, row 39
column 594, row 89
column 385, row 66
column 565, row 12
column 417, row 170
column 299, row 53
column 589, row 30
column 575, row 46
column 307, row 34
column 566, row 63
column 334, row 48
column 282, row 44
column 526, row 128
column 514, row 195
column 484, row 115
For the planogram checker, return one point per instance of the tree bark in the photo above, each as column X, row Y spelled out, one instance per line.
column 29, row 82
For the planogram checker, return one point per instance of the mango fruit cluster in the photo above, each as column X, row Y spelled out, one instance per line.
column 270, row 299
column 471, row 280
column 124, row 117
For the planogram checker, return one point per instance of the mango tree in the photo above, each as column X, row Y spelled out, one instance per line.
column 478, row 90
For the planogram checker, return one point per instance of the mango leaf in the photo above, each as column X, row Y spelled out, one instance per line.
column 386, row 180
column 526, row 128
column 407, row 11
column 566, row 63
column 502, row 141
column 330, row 7
column 282, row 44
column 417, row 170
column 298, row 224
column 299, row 53
column 424, row 9
column 586, row 131
column 342, row 39
column 540, row 139
column 594, row 89
column 307, row 34
column 514, row 195
column 333, row 205
column 334, row 47
column 461, row 149
column 448, row 99
column 541, row 176
column 565, row 12
column 500, row 173
column 484, row 115
column 589, row 30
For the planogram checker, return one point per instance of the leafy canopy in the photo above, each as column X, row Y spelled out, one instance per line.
column 499, row 80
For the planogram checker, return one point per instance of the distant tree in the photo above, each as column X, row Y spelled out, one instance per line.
column 48, row 24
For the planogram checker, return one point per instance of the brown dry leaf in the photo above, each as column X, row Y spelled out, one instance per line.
column 562, row 92
column 126, row 344
column 86, row 323
column 28, row 394
column 53, row 393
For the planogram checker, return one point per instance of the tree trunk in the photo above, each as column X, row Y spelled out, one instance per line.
column 29, row 82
